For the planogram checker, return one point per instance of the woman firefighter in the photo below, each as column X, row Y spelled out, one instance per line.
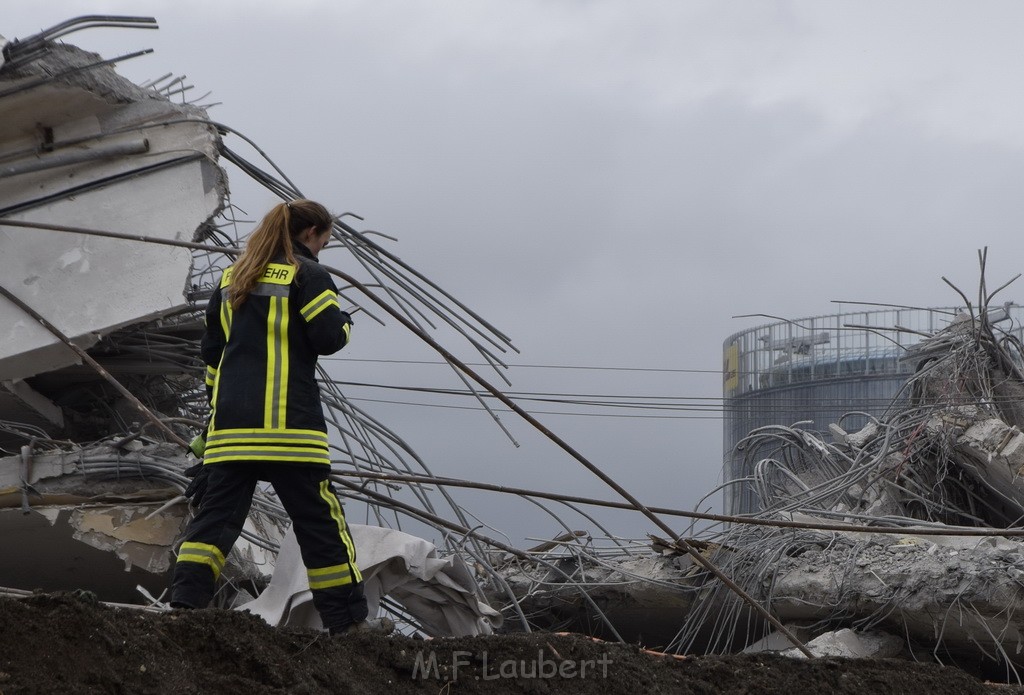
column 275, row 310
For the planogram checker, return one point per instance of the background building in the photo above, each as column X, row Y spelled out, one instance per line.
column 818, row 369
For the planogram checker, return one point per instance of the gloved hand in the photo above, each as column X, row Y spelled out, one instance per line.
column 198, row 445
column 196, row 489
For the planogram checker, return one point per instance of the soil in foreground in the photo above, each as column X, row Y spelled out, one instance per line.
column 67, row 644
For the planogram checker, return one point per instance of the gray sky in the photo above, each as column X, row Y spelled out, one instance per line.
column 610, row 182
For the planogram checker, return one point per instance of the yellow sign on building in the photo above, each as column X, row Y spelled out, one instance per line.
column 731, row 368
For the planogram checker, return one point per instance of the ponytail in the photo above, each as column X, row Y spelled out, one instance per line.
column 273, row 238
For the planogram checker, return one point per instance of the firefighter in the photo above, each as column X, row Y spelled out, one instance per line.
column 275, row 310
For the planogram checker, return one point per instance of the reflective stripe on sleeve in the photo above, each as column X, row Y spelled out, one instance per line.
column 321, row 302
column 216, row 389
column 225, row 316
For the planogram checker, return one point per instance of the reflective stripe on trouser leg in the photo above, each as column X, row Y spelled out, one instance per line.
column 326, row 577
column 339, row 519
column 338, row 590
column 212, row 532
column 203, row 553
column 327, row 548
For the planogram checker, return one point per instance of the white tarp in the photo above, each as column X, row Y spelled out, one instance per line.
column 440, row 593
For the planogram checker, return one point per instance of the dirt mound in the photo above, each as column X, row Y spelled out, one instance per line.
column 71, row 644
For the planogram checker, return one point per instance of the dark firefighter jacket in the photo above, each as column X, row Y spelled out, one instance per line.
column 261, row 363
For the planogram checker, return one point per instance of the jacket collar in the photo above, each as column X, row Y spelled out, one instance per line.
column 300, row 249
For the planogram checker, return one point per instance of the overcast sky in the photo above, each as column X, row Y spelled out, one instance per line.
column 610, row 182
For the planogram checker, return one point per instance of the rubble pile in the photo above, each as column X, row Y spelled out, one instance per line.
column 906, row 532
column 900, row 539
column 939, row 473
column 117, row 221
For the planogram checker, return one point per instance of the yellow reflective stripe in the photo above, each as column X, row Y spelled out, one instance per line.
column 213, row 399
column 225, row 316
column 261, row 433
column 333, row 301
column 283, row 454
column 223, row 440
column 319, row 451
column 265, row 289
column 225, row 278
column 319, row 303
column 282, row 374
column 339, row 518
column 211, row 374
column 348, row 332
column 271, row 376
column 276, row 390
column 203, row 554
column 278, row 274
column 326, row 577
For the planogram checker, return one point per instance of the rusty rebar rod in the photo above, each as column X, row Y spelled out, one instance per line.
column 702, row 516
column 87, row 358
column 680, row 542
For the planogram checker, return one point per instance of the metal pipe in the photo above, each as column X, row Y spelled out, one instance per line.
column 26, row 471
column 17, row 48
column 66, row 158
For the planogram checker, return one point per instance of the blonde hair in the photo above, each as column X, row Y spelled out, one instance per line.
column 273, row 237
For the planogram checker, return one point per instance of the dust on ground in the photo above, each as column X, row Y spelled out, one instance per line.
column 67, row 644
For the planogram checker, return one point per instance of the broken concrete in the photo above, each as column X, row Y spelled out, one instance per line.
column 45, row 550
column 83, row 147
column 850, row 644
column 94, row 150
column 644, row 599
column 132, row 533
column 124, row 501
column 964, row 591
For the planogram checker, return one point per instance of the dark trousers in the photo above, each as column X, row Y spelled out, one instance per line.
column 320, row 529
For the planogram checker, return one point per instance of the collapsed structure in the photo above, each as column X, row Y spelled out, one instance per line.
column 115, row 219
column 901, row 539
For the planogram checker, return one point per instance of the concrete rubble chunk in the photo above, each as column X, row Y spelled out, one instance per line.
column 852, row 645
column 171, row 189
